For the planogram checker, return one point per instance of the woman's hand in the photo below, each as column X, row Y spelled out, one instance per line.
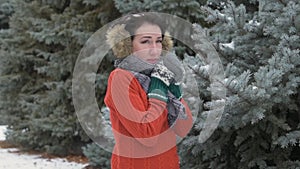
column 161, row 78
column 161, row 72
column 175, row 89
column 175, row 66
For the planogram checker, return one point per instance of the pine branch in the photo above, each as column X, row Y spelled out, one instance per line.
column 229, row 89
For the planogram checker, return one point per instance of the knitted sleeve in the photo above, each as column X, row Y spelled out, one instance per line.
column 125, row 99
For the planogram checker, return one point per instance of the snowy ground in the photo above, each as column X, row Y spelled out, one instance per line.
column 9, row 160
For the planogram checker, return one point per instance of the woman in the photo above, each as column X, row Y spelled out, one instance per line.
column 144, row 96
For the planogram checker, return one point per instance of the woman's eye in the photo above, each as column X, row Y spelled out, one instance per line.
column 150, row 42
column 145, row 41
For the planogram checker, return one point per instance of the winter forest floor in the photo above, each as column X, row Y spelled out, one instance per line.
column 12, row 158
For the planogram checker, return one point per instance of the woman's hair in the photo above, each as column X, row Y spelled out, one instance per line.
column 134, row 21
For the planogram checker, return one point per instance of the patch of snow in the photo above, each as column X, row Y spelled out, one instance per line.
column 12, row 160
column 254, row 23
column 228, row 18
column 228, row 45
column 195, row 67
column 2, row 131
column 205, row 68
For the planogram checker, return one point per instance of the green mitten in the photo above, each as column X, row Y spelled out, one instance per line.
column 161, row 78
column 175, row 90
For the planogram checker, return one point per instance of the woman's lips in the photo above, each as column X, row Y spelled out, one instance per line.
column 152, row 60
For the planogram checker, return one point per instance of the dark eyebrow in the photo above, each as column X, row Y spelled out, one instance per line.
column 149, row 37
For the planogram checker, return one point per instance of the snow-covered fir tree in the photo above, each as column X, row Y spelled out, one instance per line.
column 260, row 53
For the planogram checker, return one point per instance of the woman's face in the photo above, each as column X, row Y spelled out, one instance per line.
column 147, row 43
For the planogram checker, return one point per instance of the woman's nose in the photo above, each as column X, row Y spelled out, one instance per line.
column 155, row 49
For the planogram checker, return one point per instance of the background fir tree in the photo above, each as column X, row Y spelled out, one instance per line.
column 260, row 52
column 187, row 9
column 38, row 55
column 6, row 10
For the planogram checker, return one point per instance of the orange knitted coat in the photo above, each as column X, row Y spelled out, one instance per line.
column 142, row 135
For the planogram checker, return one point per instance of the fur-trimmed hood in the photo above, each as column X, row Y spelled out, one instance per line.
column 120, row 42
